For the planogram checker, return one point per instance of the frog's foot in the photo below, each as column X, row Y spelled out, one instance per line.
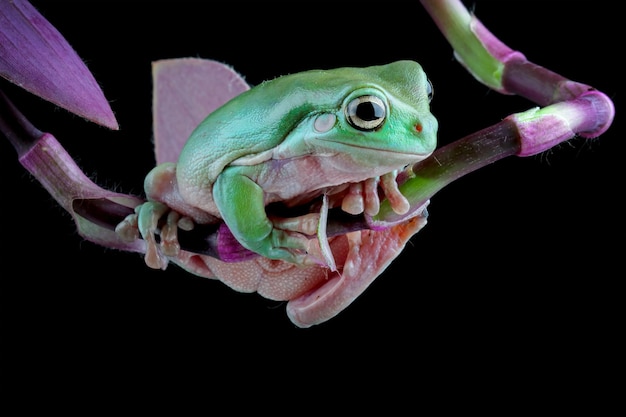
column 127, row 229
column 307, row 251
column 306, row 224
column 292, row 247
column 389, row 185
column 363, row 197
column 310, row 224
column 147, row 222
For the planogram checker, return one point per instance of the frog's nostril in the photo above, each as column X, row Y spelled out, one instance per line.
column 418, row 127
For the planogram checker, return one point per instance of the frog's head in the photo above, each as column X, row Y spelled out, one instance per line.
column 374, row 113
column 376, row 118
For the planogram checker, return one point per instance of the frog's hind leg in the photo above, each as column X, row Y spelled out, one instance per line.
column 158, row 219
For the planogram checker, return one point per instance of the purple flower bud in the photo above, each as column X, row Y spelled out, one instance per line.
column 36, row 57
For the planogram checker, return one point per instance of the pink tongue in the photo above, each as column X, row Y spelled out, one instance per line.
column 369, row 253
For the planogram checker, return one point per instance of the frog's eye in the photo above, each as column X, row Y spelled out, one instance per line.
column 429, row 91
column 366, row 112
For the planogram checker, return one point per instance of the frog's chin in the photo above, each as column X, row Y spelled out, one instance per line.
column 362, row 256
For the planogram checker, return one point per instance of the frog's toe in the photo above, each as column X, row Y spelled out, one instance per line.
column 127, row 229
column 289, row 240
column 149, row 215
column 399, row 203
column 306, row 224
column 154, row 257
column 281, row 245
column 295, row 256
column 169, row 235
column 296, row 248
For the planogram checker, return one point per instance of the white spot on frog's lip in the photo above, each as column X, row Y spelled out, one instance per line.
column 324, row 122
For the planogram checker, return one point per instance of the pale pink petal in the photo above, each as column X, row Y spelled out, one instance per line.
column 186, row 90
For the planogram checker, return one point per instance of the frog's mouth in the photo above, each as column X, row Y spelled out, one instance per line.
column 361, row 256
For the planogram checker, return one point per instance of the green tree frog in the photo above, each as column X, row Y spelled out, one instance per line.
column 327, row 138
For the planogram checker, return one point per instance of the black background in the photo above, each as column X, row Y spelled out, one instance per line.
column 509, row 302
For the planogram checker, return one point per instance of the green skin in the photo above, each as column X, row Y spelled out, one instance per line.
column 292, row 137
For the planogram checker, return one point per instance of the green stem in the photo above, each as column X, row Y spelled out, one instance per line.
column 451, row 162
column 459, row 27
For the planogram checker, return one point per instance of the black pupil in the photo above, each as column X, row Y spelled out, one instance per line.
column 369, row 111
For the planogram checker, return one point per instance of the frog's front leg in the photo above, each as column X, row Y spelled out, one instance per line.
column 241, row 202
